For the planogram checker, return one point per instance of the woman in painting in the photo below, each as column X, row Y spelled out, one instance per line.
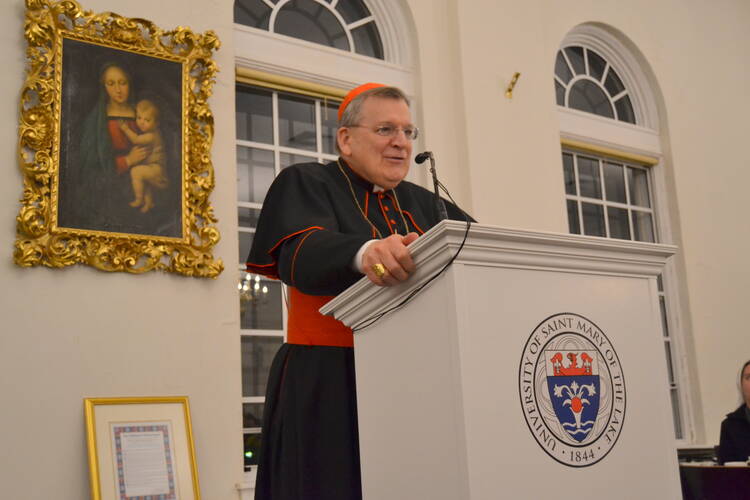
column 106, row 155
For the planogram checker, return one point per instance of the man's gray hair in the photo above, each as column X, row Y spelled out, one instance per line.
column 352, row 113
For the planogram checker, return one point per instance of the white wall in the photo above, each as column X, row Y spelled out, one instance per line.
column 509, row 150
column 705, row 77
column 77, row 332
column 441, row 96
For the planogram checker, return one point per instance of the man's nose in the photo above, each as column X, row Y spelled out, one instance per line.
column 399, row 138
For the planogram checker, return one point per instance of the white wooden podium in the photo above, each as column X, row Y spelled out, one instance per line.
column 533, row 368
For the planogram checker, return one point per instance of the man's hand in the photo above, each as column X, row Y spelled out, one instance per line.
column 392, row 253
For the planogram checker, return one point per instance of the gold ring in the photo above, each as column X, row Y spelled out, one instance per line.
column 379, row 270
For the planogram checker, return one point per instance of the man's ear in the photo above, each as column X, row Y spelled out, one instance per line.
column 344, row 138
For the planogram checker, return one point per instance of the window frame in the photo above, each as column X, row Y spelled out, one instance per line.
column 393, row 22
column 628, row 205
column 600, row 84
column 277, row 149
column 289, row 64
column 640, row 143
column 331, row 8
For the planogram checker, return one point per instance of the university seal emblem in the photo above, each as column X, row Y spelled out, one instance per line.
column 572, row 390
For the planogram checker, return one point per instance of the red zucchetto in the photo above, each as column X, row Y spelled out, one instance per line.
column 354, row 93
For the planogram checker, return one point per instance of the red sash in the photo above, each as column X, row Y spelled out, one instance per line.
column 306, row 326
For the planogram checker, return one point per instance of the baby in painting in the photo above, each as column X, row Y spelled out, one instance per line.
column 149, row 174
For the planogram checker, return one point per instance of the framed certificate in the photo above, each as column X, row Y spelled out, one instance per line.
column 141, row 449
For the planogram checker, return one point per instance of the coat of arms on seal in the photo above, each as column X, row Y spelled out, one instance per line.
column 572, row 389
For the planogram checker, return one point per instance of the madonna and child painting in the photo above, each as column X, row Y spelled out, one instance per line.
column 120, row 168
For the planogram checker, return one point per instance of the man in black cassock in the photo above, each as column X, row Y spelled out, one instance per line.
column 321, row 229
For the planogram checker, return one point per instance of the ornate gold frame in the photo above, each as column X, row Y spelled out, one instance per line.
column 39, row 240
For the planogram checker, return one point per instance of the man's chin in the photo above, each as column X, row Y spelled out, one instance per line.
column 392, row 182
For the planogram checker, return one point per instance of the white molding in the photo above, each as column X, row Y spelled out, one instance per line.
column 260, row 49
column 495, row 246
column 361, row 22
column 582, row 126
column 679, row 329
column 287, row 56
column 246, row 489
column 396, row 31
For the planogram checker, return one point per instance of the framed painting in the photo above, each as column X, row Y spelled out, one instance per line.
column 115, row 144
column 141, row 449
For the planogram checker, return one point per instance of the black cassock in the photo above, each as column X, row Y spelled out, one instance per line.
column 309, row 231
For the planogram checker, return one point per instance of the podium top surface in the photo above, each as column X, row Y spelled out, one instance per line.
column 495, row 246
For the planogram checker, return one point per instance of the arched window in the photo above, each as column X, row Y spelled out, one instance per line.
column 584, row 80
column 346, row 25
column 295, row 61
column 613, row 167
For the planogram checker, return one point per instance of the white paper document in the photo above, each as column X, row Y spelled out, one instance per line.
column 144, row 461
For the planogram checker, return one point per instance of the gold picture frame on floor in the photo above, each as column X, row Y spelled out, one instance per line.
column 115, row 144
column 141, row 448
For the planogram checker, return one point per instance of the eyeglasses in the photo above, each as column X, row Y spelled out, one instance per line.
column 410, row 132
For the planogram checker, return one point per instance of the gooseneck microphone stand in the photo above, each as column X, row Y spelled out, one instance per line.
column 439, row 205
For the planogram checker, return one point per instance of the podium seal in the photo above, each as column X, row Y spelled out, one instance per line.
column 572, row 390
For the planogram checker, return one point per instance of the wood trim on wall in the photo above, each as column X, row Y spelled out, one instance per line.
column 288, row 84
column 648, row 161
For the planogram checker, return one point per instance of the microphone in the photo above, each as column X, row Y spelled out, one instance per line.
column 421, row 157
column 439, row 205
